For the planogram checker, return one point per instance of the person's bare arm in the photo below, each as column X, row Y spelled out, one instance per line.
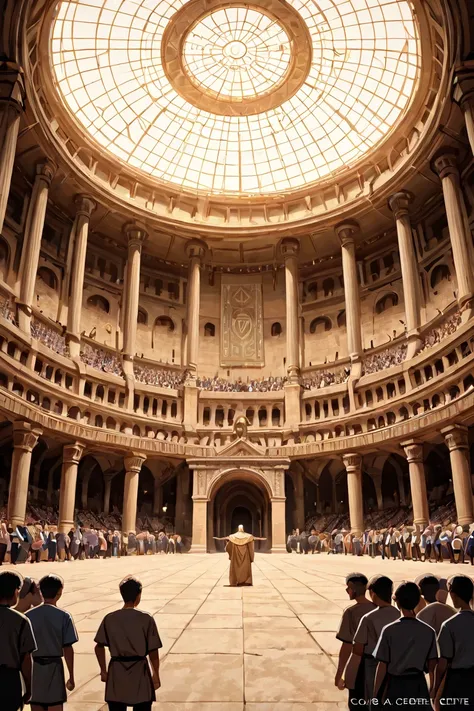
column 440, row 673
column 379, row 677
column 353, row 665
column 69, row 659
column 154, row 658
column 99, row 650
column 344, row 654
column 26, row 665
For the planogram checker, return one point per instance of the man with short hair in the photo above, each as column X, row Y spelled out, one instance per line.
column 55, row 635
column 356, row 588
column 360, row 671
column 406, row 649
column 456, row 663
column 434, row 613
column 131, row 636
column 17, row 644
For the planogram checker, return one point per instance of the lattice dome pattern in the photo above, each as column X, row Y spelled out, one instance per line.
column 107, row 59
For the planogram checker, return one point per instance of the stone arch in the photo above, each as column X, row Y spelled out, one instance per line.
column 320, row 324
column 98, row 303
column 386, row 301
column 244, row 474
column 440, row 273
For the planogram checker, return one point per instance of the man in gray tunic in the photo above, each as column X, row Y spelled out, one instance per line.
column 406, row 649
column 456, row 664
column 132, row 638
column 17, row 643
column 55, row 634
column 362, row 663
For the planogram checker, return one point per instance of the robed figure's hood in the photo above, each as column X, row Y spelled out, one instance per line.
column 241, row 538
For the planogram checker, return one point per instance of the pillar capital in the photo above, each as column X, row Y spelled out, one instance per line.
column 346, row 231
column 456, row 437
column 413, row 451
column 464, row 85
column 45, row 170
column 85, row 205
column 352, row 462
column 72, row 453
column 399, row 203
column 446, row 162
column 289, row 247
column 12, row 85
column 136, row 233
column 133, row 463
column 25, row 436
column 196, row 248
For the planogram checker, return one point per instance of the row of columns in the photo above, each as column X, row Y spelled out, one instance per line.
column 456, row 438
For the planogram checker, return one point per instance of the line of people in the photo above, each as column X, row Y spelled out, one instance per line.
column 25, row 544
column 432, row 544
column 388, row 650
column 36, row 639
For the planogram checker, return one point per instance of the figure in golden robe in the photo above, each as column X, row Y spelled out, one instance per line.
column 240, row 549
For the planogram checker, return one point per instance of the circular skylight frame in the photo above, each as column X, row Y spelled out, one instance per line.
column 219, row 172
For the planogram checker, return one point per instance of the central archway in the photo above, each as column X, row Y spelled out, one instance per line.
column 239, row 498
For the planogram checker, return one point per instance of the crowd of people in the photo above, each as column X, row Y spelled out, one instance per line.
column 433, row 543
column 388, row 650
column 439, row 333
column 50, row 337
column 385, row 359
column 256, row 385
column 100, row 359
column 323, row 378
column 41, row 542
column 161, row 377
column 6, row 309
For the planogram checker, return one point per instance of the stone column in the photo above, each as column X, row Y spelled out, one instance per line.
column 136, row 236
column 32, row 242
column 85, row 206
column 290, row 248
column 195, row 251
column 461, row 241
column 416, row 467
column 200, row 501
column 107, row 489
column 25, row 438
column 72, row 454
column 157, row 497
column 133, row 465
column 464, row 95
column 298, row 512
column 12, row 103
column 346, row 233
column 456, row 438
column 353, row 465
column 278, row 525
column 411, row 288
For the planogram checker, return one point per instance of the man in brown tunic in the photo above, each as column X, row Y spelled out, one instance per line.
column 241, row 553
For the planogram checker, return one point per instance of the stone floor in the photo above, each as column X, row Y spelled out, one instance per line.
column 271, row 647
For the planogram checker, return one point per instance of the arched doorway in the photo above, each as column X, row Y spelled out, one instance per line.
column 240, row 498
column 241, row 516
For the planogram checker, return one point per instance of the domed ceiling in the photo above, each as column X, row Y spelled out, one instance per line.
column 233, row 98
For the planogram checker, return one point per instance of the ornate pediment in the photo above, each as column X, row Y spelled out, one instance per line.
column 241, row 448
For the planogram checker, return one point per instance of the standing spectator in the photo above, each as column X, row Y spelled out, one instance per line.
column 132, row 638
column 18, row 643
column 52, row 544
column 4, row 541
column 55, row 635
column 405, row 650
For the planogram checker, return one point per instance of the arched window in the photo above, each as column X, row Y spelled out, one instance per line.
column 439, row 274
column 341, row 319
column 320, row 324
column 328, row 287
column 48, row 277
column 99, row 303
column 312, row 290
column 142, row 316
column 276, row 329
column 4, row 257
column 209, row 330
column 386, row 302
column 173, row 290
column 164, row 323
